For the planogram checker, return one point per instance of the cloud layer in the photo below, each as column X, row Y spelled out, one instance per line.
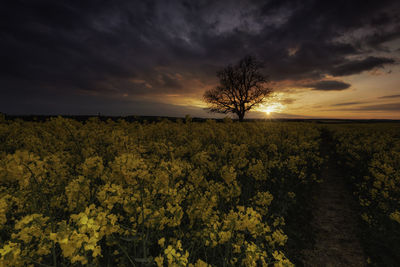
column 328, row 85
column 389, row 96
column 55, row 50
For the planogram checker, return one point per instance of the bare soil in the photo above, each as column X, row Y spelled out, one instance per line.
column 334, row 221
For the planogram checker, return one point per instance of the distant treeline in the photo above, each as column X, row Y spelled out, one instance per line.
column 151, row 119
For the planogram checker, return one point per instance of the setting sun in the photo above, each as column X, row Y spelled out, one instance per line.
column 271, row 108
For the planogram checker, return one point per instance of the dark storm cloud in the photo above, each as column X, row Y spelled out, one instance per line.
column 378, row 39
column 358, row 66
column 322, row 30
column 328, row 85
column 50, row 49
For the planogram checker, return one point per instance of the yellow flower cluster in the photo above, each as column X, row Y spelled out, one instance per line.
column 372, row 155
column 4, row 207
column 395, row 216
column 166, row 193
column 84, row 233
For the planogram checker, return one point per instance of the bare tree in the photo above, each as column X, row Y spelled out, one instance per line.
column 242, row 87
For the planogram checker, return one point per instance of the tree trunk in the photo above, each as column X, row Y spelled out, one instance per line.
column 241, row 116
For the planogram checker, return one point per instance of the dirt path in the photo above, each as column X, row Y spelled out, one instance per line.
column 334, row 221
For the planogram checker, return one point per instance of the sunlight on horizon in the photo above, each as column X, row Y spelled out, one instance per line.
column 271, row 108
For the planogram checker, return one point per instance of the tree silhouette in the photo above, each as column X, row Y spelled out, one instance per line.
column 242, row 87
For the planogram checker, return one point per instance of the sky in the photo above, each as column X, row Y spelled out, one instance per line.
column 324, row 59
